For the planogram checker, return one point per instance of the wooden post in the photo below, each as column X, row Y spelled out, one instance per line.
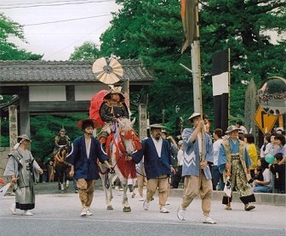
column 24, row 112
column 13, row 125
column 142, row 121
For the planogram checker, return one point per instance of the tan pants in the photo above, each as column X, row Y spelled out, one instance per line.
column 85, row 191
column 161, row 183
column 195, row 185
column 141, row 182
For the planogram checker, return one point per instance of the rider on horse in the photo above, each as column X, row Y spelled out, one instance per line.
column 112, row 108
column 61, row 140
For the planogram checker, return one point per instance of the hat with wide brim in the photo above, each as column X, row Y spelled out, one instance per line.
column 83, row 122
column 23, row 137
column 195, row 114
column 232, row 128
column 157, row 126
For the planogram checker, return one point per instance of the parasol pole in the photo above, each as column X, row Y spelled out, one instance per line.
column 197, row 81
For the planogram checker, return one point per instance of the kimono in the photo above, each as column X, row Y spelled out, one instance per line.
column 22, row 164
column 236, row 154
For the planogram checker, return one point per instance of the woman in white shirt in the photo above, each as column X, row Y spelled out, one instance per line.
column 265, row 148
column 262, row 184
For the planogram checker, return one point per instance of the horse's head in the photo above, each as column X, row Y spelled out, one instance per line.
column 128, row 136
column 63, row 151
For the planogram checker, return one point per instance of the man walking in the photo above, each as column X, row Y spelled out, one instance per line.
column 198, row 151
column 23, row 169
column 158, row 166
column 85, row 151
column 234, row 163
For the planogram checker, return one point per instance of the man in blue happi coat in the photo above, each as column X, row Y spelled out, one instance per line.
column 198, row 153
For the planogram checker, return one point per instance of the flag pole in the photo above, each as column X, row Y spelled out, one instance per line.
column 197, row 81
column 228, row 59
column 196, row 66
column 190, row 20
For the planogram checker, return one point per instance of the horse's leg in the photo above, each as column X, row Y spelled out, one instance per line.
column 57, row 176
column 133, row 188
column 66, row 176
column 107, row 191
column 61, row 178
column 126, row 206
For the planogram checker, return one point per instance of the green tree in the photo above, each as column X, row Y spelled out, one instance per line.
column 43, row 132
column 152, row 31
column 86, row 52
column 8, row 50
column 244, row 26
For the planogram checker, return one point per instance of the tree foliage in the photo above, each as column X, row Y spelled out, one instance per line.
column 152, row 31
column 86, row 52
column 43, row 132
column 8, row 50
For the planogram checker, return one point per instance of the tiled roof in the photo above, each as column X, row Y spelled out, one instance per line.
column 65, row 71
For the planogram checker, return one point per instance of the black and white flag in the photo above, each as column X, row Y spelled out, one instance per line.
column 220, row 80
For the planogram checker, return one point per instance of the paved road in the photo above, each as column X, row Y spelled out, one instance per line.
column 58, row 214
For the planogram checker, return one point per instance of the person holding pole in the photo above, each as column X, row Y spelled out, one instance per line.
column 198, row 151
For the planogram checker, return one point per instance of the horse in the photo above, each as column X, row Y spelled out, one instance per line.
column 119, row 144
column 62, row 168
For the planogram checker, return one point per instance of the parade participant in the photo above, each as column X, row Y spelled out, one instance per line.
column 23, row 168
column 158, row 166
column 234, row 162
column 196, row 171
column 86, row 151
column 112, row 108
column 61, row 140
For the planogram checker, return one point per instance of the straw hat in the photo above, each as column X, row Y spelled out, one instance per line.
column 23, row 137
column 157, row 126
column 195, row 114
column 232, row 128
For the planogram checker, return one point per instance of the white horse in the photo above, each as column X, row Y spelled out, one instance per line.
column 120, row 143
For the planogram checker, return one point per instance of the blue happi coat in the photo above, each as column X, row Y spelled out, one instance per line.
column 191, row 163
column 86, row 167
column 154, row 165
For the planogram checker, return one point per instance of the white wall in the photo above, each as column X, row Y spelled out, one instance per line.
column 47, row 93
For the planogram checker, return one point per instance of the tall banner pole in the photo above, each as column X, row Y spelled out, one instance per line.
column 190, row 20
column 228, row 60
column 197, row 74
column 196, row 67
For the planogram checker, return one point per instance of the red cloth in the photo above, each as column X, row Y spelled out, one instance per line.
column 95, row 104
column 2, row 181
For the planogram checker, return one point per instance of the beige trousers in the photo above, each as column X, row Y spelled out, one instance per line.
column 85, row 191
column 194, row 186
column 162, row 184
